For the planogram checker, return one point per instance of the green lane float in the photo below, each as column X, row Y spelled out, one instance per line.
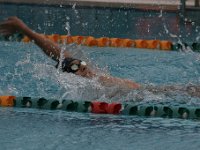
column 196, row 47
column 52, row 104
column 165, row 110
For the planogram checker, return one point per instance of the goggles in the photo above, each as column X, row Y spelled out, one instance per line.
column 70, row 67
column 75, row 67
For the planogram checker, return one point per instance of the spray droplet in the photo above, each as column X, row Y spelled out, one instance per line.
column 46, row 11
column 160, row 14
column 74, row 6
column 198, row 38
column 68, row 18
column 173, row 35
column 193, row 23
column 67, row 27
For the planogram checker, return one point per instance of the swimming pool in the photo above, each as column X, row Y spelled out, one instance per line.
column 25, row 70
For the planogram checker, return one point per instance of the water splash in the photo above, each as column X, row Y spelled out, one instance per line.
column 161, row 13
column 67, row 28
column 184, row 47
column 76, row 13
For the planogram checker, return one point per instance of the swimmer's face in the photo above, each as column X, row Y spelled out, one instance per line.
column 80, row 68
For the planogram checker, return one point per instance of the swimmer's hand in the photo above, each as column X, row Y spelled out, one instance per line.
column 15, row 25
column 121, row 83
column 12, row 25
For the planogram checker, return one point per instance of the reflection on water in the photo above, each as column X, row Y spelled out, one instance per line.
column 58, row 130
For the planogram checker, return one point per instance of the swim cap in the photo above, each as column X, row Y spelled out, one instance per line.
column 66, row 64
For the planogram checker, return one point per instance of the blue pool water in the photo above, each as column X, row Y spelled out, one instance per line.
column 26, row 71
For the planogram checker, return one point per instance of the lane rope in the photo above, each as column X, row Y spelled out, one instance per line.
column 150, row 109
column 91, row 41
column 120, row 42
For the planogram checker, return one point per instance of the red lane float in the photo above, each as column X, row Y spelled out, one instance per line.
column 114, row 108
column 105, row 108
column 99, row 107
column 152, row 109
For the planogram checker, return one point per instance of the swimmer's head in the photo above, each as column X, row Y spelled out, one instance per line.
column 77, row 67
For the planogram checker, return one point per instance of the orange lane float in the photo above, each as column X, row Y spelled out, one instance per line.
column 103, row 42
column 127, row 43
column 54, row 37
column 63, row 39
column 115, row 42
column 78, row 39
column 26, row 39
column 7, row 101
column 108, row 42
column 141, row 43
column 153, row 44
column 69, row 40
column 165, row 45
column 90, row 41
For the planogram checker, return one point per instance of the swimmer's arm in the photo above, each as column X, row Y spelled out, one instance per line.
column 50, row 48
column 121, row 83
column 14, row 24
column 192, row 90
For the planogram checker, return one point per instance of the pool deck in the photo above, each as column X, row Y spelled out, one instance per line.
column 144, row 4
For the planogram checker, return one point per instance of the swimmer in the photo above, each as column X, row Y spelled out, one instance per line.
column 79, row 67
column 69, row 64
